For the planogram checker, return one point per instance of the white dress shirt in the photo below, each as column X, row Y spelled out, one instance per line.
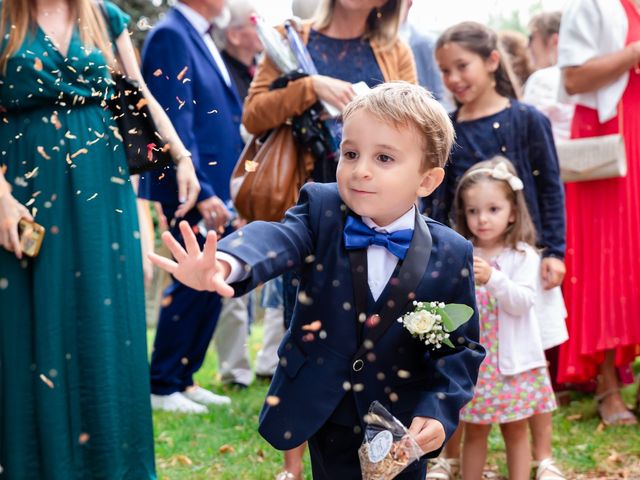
column 380, row 262
column 202, row 25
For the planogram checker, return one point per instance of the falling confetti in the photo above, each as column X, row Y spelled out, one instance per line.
column 83, row 438
column 56, row 121
column 250, row 166
column 182, row 73
column 157, row 73
column 272, row 400
column 141, row 103
column 42, row 152
column 37, row 64
column 82, row 151
column 92, row 197
column 313, row 326
column 47, row 382
column 118, row 180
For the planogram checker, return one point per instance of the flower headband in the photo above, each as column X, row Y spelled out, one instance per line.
column 501, row 172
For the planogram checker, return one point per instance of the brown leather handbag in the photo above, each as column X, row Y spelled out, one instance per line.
column 268, row 176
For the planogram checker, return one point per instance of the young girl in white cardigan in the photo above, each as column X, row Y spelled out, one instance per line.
column 513, row 383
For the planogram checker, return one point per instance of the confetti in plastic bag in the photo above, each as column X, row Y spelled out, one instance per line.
column 388, row 448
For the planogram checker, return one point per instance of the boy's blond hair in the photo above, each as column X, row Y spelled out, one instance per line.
column 405, row 105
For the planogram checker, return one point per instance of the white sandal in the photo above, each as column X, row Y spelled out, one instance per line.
column 547, row 470
column 442, row 468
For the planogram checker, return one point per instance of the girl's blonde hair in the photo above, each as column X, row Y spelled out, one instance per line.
column 382, row 24
column 522, row 228
column 481, row 40
column 18, row 17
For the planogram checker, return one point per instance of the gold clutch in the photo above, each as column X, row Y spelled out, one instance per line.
column 31, row 236
column 592, row 158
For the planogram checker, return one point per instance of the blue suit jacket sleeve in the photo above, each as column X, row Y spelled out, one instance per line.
column 454, row 372
column 166, row 55
column 544, row 161
column 281, row 246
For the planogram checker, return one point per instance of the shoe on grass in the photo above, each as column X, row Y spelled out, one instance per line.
column 176, row 402
column 203, row 396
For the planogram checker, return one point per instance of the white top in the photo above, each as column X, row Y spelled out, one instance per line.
column 202, row 25
column 541, row 91
column 514, row 286
column 380, row 262
column 590, row 29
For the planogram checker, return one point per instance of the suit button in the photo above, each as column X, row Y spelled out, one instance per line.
column 357, row 365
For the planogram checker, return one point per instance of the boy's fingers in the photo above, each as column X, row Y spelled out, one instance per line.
column 220, row 286
column 163, row 262
column 210, row 246
column 189, row 238
column 174, row 247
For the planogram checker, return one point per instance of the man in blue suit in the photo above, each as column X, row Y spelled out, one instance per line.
column 186, row 74
column 365, row 255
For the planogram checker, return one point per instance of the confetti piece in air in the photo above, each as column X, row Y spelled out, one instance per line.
column 83, row 438
column 150, row 148
column 250, row 166
column 32, row 173
column 272, row 400
column 69, row 162
column 118, row 210
column 82, row 151
column 118, row 180
column 92, row 197
column 157, row 73
column 182, row 73
column 212, row 111
column 70, row 136
column 42, row 152
column 181, row 102
column 141, row 103
column 313, row 326
column 56, row 121
column 37, row 64
column 47, row 382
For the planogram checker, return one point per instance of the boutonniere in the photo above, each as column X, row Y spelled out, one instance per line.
column 433, row 322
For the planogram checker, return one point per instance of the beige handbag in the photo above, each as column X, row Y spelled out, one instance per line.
column 593, row 158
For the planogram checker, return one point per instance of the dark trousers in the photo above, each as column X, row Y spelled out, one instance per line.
column 334, row 455
column 187, row 322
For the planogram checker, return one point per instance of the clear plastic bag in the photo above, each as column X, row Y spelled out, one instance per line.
column 387, row 448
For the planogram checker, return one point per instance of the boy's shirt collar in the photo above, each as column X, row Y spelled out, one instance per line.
column 405, row 222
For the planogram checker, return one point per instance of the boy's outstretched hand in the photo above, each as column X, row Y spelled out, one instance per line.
column 428, row 432
column 194, row 268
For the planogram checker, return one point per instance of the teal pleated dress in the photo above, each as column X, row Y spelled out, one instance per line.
column 74, row 379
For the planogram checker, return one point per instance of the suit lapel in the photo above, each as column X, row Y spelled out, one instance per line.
column 204, row 50
column 411, row 272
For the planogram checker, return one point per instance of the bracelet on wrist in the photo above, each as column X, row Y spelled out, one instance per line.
column 183, row 155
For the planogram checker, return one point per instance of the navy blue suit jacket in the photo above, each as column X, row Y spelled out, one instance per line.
column 204, row 110
column 316, row 366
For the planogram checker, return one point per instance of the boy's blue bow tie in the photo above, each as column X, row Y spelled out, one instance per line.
column 357, row 235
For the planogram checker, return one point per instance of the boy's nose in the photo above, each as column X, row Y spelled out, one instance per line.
column 361, row 169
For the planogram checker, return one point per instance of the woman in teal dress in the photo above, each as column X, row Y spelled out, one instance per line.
column 74, row 380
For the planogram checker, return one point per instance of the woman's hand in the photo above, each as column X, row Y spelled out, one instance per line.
column 333, row 91
column 481, row 270
column 188, row 186
column 11, row 211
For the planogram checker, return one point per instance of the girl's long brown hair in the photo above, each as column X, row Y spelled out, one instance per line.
column 18, row 17
column 522, row 229
column 483, row 41
column 383, row 30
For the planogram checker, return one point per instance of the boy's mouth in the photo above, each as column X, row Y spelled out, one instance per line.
column 361, row 192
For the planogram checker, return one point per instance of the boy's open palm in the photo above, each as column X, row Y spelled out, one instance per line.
column 195, row 268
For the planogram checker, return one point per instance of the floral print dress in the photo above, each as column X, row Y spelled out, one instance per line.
column 504, row 398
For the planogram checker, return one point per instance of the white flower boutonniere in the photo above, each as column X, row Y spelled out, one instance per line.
column 432, row 322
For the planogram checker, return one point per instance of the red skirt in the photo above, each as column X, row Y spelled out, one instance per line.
column 602, row 286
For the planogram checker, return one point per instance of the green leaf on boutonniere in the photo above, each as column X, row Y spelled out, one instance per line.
column 456, row 314
column 448, row 343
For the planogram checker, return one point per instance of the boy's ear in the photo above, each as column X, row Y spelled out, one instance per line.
column 431, row 180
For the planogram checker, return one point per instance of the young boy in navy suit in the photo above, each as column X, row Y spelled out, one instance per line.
column 365, row 254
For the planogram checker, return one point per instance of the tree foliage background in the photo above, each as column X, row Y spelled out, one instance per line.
column 144, row 14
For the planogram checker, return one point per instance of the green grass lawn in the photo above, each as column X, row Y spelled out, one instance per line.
column 224, row 444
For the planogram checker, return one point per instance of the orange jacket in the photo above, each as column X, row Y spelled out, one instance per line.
column 264, row 109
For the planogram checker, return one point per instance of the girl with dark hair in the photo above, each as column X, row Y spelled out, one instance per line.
column 491, row 121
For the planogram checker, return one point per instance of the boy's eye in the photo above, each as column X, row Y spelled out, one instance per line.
column 349, row 154
column 384, row 158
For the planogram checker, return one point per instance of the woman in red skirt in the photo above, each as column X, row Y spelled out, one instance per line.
column 599, row 52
